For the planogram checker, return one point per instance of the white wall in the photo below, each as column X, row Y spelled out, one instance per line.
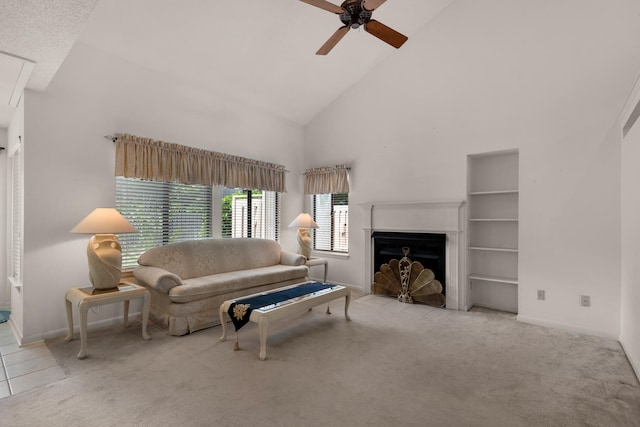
column 69, row 166
column 630, row 319
column 546, row 78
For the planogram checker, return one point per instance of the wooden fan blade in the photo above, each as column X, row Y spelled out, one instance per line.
column 433, row 287
column 424, row 279
column 390, row 273
column 323, row 4
column 333, row 40
column 394, row 266
column 382, row 284
column 370, row 5
column 384, row 33
column 416, row 270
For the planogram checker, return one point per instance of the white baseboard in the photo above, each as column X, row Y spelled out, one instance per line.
column 565, row 327
column 490, row 307
column 635, row 364
column 17, row 334
column 114, row 321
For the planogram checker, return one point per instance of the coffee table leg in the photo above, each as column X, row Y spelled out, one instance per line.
column 263, row 324
column 326, row 267
column 223, row 322
column 347, row 300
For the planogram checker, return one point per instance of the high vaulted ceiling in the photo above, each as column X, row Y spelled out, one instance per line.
column 261, row 53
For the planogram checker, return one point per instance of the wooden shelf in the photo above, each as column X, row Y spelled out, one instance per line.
column 495, row 279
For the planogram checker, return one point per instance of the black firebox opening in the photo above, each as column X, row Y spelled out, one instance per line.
column 428, row 249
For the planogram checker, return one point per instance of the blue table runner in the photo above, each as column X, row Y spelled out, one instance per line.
column 240, row 310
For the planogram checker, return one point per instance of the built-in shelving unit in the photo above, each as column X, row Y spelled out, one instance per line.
column 492, row 200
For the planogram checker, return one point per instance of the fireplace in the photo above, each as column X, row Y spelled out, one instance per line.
column 436, row 218
column 429, row 249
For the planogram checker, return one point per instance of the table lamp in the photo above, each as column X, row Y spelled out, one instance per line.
column 104, row 251
column 303, row 223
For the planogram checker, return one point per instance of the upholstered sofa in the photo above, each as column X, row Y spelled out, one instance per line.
column 189, row 280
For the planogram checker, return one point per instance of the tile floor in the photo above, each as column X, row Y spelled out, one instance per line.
column 26, row 367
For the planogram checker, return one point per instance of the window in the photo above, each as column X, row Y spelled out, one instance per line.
column 250, row 213
column 167, row 212
column 331, row 213
column 163, row 213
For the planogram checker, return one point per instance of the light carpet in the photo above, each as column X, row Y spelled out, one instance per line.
column 393, row 365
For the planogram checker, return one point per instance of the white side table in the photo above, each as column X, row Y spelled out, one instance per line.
column 85, row 298
column 311, row 262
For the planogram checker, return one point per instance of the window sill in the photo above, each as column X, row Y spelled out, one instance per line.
column 17, row 284
column 329, row 254
column 126, row 274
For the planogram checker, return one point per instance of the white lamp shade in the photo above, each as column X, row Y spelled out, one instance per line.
column 303, row 220
column 104, row 221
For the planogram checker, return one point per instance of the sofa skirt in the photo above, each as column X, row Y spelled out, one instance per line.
column 186, row 318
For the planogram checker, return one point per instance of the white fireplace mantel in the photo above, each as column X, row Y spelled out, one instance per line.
column 440, row 217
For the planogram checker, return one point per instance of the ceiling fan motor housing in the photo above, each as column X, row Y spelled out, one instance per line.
column 354, row 13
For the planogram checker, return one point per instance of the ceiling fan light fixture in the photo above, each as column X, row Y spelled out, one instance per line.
column 354, row 14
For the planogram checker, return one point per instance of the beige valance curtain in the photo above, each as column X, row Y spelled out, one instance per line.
column 162, row 161
column 326, row 180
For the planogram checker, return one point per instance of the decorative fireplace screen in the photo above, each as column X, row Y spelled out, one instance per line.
column 409, row 281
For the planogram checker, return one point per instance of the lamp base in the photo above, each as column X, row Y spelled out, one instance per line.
column 304, row 242
column 105, row 261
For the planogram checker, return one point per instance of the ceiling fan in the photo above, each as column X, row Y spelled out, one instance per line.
column 353, row 14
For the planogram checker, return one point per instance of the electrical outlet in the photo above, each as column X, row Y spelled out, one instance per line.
column 541, row 294
column 585, row 300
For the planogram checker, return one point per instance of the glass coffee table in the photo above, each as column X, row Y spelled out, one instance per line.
column 262, row 313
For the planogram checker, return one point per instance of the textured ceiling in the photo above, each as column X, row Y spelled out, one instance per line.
column 261, row 53
column 42, row 31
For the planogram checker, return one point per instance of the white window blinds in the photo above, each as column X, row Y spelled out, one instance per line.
column 331, row 213
column 163, row 213
column 250, row 213
column 17, row 204
column 167, row 212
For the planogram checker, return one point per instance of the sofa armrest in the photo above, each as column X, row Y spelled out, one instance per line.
column 157, row 278
column 289, row 258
